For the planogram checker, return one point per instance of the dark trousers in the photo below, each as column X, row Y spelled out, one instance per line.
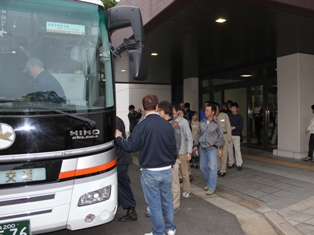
column 311, row 146
column 125, row 194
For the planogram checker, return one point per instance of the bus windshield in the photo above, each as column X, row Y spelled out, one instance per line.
column 54, row 54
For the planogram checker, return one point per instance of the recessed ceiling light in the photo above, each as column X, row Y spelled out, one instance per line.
column 221, row 20
column 123, row 70
column 246, row 75
column 154, row 54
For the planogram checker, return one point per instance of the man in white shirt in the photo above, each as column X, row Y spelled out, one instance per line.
column 310, row 129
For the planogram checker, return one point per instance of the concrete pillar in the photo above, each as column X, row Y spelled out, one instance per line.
column 295, row 97
column 190, row 92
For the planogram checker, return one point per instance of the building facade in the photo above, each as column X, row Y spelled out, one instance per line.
column 261, row 57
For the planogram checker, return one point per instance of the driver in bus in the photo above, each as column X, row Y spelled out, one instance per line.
column 43, row 81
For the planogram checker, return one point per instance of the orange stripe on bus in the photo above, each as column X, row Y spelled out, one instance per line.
column 67, row 174
column 87, row 171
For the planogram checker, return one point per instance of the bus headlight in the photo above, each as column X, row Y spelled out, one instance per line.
column 97, row 196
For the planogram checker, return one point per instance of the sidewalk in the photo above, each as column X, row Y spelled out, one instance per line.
column 279, row 188
column 271, row 195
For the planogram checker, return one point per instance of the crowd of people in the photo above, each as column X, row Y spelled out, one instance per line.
column 175, row 140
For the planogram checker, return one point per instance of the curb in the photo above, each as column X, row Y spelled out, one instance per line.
column 278, row 223
column 284, row 227
column 251, row 221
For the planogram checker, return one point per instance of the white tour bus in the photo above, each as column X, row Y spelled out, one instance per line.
column 57, row 112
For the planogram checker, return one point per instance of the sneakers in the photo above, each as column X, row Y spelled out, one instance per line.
column 230, row 165
column 169, row 232
column 210, row 192
column 307, row 159
column 185, row 195
column 193, row 165
column 222, row 174
column 147, row 214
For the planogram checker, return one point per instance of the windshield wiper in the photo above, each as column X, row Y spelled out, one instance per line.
column 9, row 100
column 91, row 123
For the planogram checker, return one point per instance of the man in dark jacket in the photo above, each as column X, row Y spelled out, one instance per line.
column 125, row 194
column 154, row 138
column 134, row 116
column 187, row 111
column 237, row 123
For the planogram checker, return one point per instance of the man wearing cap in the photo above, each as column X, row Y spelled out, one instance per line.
column 43, row 81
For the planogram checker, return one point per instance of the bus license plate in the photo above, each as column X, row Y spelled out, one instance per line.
column 15, row 228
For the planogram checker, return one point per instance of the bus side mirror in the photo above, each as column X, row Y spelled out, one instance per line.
column 125, row 16
column 137, row 62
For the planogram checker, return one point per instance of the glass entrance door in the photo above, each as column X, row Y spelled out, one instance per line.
column 255, row 116
column 271, row 118
column 262, row 112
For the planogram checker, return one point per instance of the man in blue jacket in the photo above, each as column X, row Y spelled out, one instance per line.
column 154, row 138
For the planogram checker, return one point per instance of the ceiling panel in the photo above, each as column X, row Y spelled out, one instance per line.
column 196, row 45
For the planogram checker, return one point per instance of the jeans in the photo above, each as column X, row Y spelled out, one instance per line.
column 208, row 166
column 157, row 192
